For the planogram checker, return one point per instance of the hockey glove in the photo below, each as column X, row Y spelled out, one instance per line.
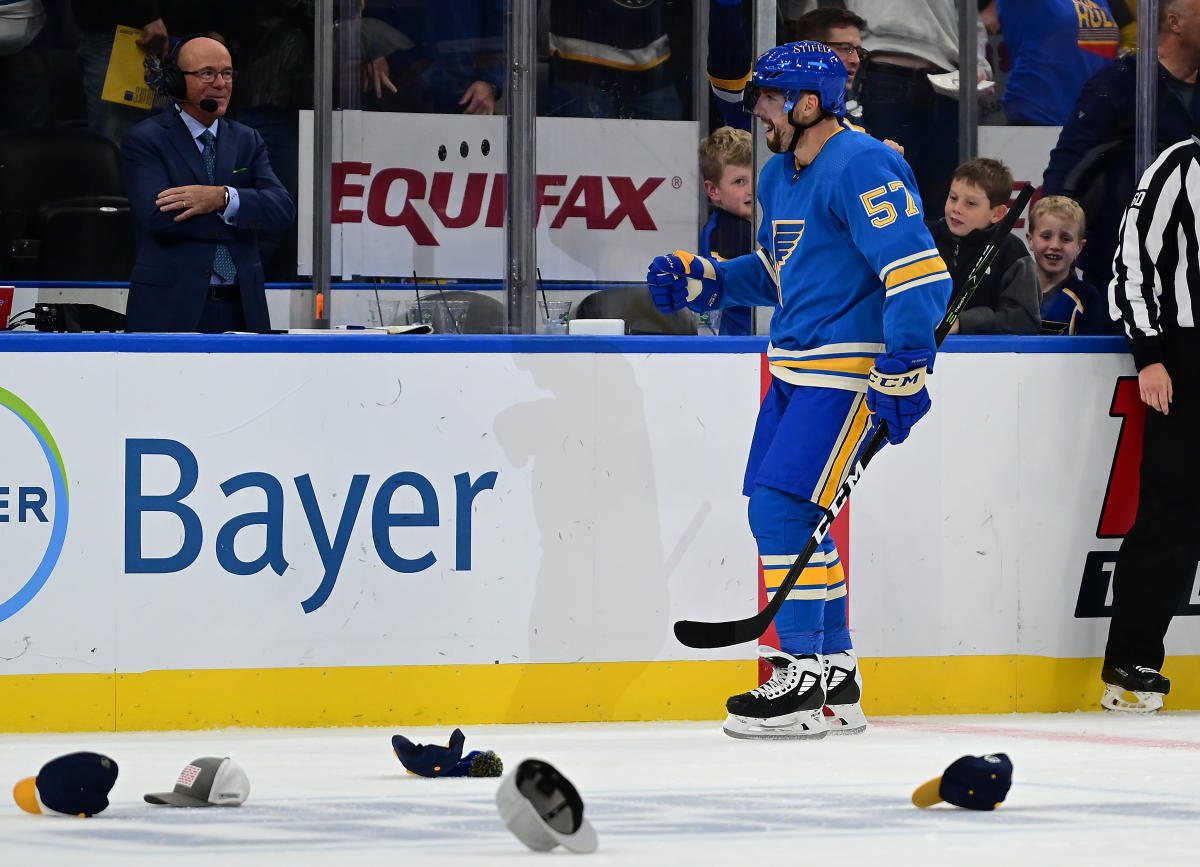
column 683, row 280
column 896, row 391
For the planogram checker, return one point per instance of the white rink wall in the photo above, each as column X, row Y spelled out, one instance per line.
column 522, row 510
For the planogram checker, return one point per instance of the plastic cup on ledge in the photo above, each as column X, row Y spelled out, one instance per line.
column 420, row 313
column 450, row 317
column 555, row 316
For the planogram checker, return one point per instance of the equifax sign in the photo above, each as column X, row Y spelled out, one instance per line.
column 428, row 194
column 394, row 197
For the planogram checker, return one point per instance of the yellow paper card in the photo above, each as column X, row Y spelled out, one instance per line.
column 125, row 81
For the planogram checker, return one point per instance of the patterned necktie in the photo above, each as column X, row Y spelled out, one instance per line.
column 222, row 261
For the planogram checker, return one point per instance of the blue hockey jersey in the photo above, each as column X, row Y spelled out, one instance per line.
column 847, row 261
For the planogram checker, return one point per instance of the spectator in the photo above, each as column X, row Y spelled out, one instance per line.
column 200, row 188
column 1093, row 161
column 726, row 158
column 1055, row 46
column 97, row 22
column 25, row 97
column 1069, row 305
column 20, row 22
column 1156, row 293
column 446, row 58
column 272, row 47
column 1125, row 14
column 908, row 40
column 842, row 31
column 729, row 57
column 615, row 59
column 1007, row 299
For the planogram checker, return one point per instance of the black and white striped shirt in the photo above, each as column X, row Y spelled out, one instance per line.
column 1156, row 269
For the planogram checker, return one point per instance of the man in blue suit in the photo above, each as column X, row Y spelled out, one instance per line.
column 200, row 188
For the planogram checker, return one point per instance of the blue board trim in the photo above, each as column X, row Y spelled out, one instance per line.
column 334, row 342
column 374, row 343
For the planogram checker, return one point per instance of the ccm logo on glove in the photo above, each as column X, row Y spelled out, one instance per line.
column 900, row 385
column 896, row 394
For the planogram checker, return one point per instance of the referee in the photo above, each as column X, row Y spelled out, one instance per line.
column 1156, row 291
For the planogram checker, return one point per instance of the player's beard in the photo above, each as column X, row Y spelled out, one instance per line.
column 776, row 142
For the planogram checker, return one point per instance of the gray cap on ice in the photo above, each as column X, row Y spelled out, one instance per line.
column 541, row 807
column 209, row 781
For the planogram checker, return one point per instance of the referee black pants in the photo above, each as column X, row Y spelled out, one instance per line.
column 1157, row 561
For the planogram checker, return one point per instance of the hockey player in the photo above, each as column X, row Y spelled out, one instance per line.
column 858, row 290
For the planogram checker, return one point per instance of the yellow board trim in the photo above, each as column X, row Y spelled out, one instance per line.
column 1003, row 684
column 372, row 696
column 566, row 692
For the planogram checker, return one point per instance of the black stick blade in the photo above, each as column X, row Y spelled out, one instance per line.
column 701, row 634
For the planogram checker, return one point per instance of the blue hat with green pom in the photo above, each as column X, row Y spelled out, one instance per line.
column 433, row 760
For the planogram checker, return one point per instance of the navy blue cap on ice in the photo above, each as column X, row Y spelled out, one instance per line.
column 429, row 760
column 76, row 784
column 973, row 782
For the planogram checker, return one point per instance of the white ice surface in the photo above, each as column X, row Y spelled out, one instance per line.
column 1089, row 788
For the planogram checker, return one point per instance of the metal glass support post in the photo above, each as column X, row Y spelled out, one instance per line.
column 764, row 37
column 700, row 89
column 968, row 76
column 520, row 281
column 322, row 162
column 1145, row 134
column 764, row 33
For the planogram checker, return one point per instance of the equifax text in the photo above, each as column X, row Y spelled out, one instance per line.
column 409, row 198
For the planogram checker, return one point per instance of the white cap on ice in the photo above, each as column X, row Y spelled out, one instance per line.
column 542, row 809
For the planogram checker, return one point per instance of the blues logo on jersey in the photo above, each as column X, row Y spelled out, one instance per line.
column 785, row 235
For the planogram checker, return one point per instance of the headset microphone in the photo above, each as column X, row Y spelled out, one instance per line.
column 207, row 104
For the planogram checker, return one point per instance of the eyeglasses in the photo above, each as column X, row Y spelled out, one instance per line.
column 847, row 47
column 208, row 75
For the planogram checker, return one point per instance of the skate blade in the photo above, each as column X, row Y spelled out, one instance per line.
column 845, row 719
column 1118, row 700
column 803, row 726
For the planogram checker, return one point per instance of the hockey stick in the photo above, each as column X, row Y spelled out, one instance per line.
column 698, row 633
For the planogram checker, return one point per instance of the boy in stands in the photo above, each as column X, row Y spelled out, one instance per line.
column 1007, row 300
column 725, row 159
column 1069, row 305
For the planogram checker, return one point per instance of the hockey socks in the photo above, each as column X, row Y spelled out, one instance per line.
column 813, row 619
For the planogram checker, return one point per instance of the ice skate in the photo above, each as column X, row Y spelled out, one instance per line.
column 788, row 706
column 1133, row 689
column 843, row 691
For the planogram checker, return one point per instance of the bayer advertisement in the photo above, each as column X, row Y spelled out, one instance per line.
column 239, row 510
column 34, row 507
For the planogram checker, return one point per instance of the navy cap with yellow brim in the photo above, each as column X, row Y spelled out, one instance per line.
column 971, row 782
column 76, row 784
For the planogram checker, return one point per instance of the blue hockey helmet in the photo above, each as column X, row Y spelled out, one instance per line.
column 798, row 67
